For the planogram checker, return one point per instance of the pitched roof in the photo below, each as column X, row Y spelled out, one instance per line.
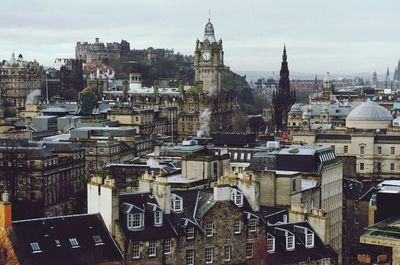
column 301, row 252
column 51, row 238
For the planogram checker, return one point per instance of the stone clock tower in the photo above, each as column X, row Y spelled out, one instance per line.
column 209, row 61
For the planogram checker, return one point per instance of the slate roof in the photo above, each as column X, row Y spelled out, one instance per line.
column 45, row 232
column 300, row 253
column 150, row 232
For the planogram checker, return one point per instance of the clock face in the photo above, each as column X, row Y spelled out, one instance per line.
column 206, row 56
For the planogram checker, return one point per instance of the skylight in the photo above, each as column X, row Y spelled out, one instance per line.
column 74, row 242
column 97, row 240
column 35, row 247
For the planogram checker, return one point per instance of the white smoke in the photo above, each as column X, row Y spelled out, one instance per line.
column 204, row 129
column 30, row 98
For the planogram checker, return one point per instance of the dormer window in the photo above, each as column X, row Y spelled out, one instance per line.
column 270, row 243
column 237, row 197
column 176, row 203
column 309, row 239
column 135, row 221
column 289, row 242
column 158, row 218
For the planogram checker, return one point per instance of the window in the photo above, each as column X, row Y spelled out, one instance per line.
column 237, row 197
column 362, row 150
column 167, row 246
column 345, row 149
column 136, row 250
column 74, row 242
column 152, row 249
column 290, row 242
column 158, row 218
column 209, row 229
column 97, row 240
column 190, row 233
column 190, row 257
column 310, row 240
column 236, row 227
column 379, row 150
column 58, row 243
column 248, row 156
column 227, row 253
column 35, row 247
column 253, row 225
column 379, row 166
column 325, row 261
column 294, row 184
column 136, row 220
column 391, row 166
column 392, row 150
column 361, row 166
column 209, row 255
column 249, row 250
column 271, row 244
column 177, row 203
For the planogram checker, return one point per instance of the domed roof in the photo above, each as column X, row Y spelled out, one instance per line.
column 369, row 111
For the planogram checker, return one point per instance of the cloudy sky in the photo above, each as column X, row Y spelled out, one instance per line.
column 340, row 36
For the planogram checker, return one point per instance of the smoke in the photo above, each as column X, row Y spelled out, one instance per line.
column 30, row 99
column 204, row 129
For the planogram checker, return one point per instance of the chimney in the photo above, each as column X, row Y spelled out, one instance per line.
column 5, row 212
column 162, row 193
column 103, row 198
column 251, row 190
column 320, row 223
column 145, row 182
column 297, row 213
column 222, row 191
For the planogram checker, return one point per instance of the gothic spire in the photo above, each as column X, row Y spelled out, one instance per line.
column 284, row 56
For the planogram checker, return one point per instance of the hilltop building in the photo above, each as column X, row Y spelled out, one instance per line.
column 97, row 51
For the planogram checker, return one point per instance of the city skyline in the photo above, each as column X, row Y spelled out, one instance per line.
column 345, row 37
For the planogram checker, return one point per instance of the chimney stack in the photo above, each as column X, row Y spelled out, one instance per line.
column 5, row 212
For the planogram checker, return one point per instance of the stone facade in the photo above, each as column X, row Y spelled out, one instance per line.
column 100, row 51
column 18, row 78
column 45, row 181
column 209, row 61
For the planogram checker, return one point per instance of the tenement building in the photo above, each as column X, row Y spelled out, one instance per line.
column 42, row 179
column 18, row 78
column 222, row 225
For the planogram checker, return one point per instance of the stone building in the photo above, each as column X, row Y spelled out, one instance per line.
column 201, row 114
column 105, row 145
column 223, row 225
column 99, row 51
column 18, row 78
column 209, row 61
column 71, row 79
column 42, row 179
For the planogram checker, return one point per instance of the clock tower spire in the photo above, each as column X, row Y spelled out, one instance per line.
column 209, row 61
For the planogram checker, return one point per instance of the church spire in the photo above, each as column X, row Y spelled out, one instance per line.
column 284, row 56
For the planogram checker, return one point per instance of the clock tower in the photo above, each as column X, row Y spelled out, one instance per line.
column 209, row 61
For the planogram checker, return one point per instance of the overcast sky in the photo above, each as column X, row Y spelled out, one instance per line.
column 340, row 36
